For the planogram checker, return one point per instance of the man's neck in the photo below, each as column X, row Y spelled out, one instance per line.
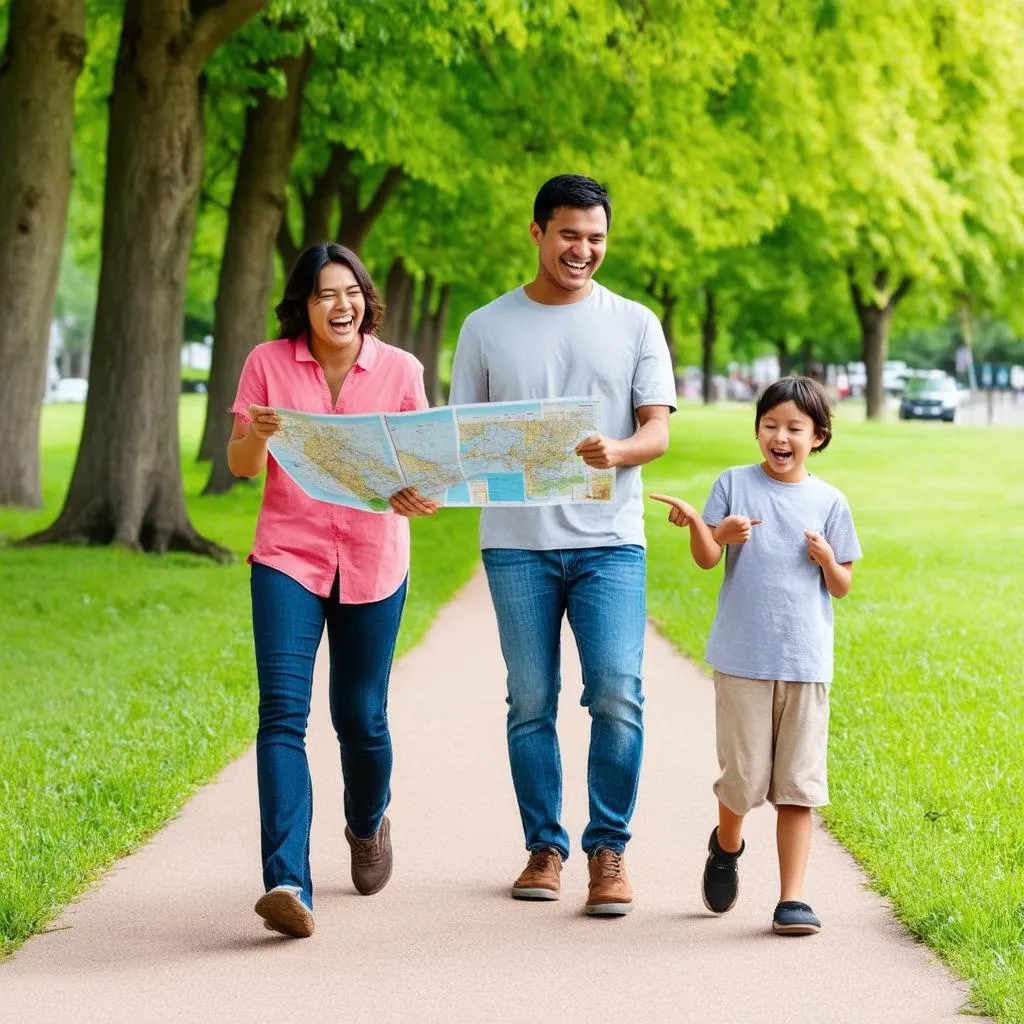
column 547, row 293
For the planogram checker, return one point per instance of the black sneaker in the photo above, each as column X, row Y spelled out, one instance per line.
column 795, row 918
column 720, row 886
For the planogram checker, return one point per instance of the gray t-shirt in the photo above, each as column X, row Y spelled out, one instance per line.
column 774, row 616
column 514, row 349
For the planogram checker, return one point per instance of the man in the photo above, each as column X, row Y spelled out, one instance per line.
column 564, row 335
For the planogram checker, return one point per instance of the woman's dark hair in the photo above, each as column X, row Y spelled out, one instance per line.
column 569, row 190
column 291, row 311
column 807, row 395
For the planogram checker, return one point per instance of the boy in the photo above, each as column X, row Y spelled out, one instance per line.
column 790, row 545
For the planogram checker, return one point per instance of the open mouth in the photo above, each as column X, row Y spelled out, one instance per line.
column 575, row 266
column 342, row 323
column 781, row 455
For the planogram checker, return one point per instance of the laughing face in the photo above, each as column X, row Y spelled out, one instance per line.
column 786, row 436
column 336, row 309
column 571, row 248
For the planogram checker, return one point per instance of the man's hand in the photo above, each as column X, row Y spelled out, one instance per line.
column 265, row 422
column 600, row 452
column 735, row 529
column 681, row 512
column 409, row 502
column 818, row 549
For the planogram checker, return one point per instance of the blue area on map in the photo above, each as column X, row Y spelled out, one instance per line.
column 458, row 494
column 506, row 487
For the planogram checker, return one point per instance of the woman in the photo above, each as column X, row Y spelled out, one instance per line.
column 315, row 563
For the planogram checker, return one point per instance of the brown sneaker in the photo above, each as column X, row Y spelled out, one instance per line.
column 610, row 891
column 539, row 880
column 371, row 859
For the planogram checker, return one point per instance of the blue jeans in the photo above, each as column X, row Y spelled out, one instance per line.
column 288, row 622
column 603, row 592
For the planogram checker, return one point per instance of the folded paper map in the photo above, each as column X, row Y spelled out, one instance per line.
column 502, row 453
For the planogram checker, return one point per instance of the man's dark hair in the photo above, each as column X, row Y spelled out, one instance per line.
column 807, row 395
column 291, row 311
column 569, row 190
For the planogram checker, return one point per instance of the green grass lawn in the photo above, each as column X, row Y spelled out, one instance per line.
column 928, row 702
column 128, row 680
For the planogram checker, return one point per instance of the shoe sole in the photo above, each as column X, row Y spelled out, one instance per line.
column 520, row 893
column 283, row 912
column 609, row 909
column 704, row 900
column 795, row 929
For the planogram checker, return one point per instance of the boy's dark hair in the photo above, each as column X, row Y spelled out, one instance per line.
column 291, row 311
column 569, row 190
column 807, row 395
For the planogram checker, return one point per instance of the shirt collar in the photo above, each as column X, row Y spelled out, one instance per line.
column 368, row 354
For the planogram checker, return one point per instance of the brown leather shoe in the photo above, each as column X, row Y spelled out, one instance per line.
column 610, row 891
column 539, row 880
column 371, row 859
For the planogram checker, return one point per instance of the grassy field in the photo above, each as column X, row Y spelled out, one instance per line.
column 928, row 702
column 128, row 680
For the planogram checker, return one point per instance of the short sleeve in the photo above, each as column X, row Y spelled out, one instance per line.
column 252, row 387
column 415, row 397
column 716, row 508
column 840, row 532
column 654, row 381
column 469, row 376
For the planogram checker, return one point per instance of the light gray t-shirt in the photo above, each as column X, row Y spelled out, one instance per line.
column 774, row 617
column 514, row 349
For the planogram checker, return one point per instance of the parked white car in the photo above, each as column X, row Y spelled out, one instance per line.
column 69, row 389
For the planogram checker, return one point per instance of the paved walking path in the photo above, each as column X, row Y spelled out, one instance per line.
column 170, row 934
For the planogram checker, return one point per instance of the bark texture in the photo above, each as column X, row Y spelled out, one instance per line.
column 126, row 487
column 708, row 334
column 875, row 313
column 44, row 56
column 246, row 272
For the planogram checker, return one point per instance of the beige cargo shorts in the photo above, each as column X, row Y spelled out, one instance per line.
column 772, row 739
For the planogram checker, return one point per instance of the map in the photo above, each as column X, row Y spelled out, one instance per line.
column 509, row 453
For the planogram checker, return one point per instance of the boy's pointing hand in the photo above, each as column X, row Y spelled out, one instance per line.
column 735, row 529
column 681, row 513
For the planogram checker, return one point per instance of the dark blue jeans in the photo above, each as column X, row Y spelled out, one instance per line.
column 288, row 622
column 603, row 592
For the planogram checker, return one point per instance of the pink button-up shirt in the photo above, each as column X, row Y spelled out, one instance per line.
column 310, row 540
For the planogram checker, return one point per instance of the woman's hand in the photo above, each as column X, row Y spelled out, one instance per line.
column 409, row 502
column 734, row 530
column 265, row 422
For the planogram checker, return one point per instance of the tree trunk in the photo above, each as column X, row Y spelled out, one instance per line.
column 430, row 353
column 126, row 487
column 45, row 53
column 424, row 326
column 708, row 333
column 247, row 269
column 875, row 316
column 785, row 359
column 356, row 220
column 807, row 353
column 396, row 292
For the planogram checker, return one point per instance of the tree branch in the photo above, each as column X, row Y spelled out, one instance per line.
column 901, row 292
column 215, row 24
column 391, row 180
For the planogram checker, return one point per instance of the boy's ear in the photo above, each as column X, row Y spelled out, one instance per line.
column 819, row 440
